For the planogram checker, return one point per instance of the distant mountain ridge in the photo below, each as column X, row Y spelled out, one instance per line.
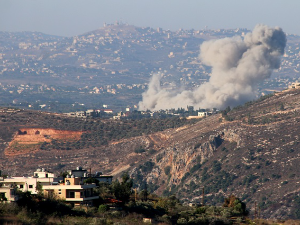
column 112, row 64
column 109, row 55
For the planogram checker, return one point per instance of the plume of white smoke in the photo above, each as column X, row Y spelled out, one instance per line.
column 238, row 65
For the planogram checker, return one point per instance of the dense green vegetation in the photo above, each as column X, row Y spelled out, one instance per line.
column 133, row 206
column 32, row 209
column 131, row 209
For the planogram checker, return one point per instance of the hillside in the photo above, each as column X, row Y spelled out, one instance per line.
column 251, row 151
column 254, row 155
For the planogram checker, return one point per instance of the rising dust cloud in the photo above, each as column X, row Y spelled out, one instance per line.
column 238, row 66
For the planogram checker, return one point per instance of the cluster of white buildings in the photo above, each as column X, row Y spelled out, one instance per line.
column 90, row 113
column 295, row 85
column 72, row 188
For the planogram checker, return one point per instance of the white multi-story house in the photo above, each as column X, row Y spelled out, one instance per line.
column 72, row 189
column 8, row 193
column 24, row 184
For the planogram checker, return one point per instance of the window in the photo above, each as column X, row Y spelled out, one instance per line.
column 59, row 189
column 72, row 194
column 30, row 186
column 2, row 196
column 59, row 193
column 21, row 185
column 81, row 194
column 36, row 175
column 46, row 174
column 88, row 193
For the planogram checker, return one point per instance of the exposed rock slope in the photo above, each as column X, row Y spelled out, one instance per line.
column 252, row 152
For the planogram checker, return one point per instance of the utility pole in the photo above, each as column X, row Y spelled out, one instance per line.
column 135, row 197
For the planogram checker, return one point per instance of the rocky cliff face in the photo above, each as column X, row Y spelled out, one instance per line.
column 175, row 161
column 254, row 156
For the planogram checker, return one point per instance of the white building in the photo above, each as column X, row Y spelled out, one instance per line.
column 79, row 172
column 72, row 190
column 8, row 193
column 202, row 114
column 24, row 184
column 295, row 85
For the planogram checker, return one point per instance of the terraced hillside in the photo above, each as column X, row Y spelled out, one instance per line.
column 28, row 140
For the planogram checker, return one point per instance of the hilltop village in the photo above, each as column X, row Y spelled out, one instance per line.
column 130, row 113
column 112, row 65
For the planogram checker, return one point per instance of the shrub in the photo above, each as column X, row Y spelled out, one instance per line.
column 181, row 221
column 276, row 176
column 103, row 208
column 265, row 179
column 195, row 168
column 151, row 151
column 217, row 166
column 167, row 170
column 147, row 167
column 247, row 180
column 139, row 150
column 159, row 157
column 247, row 167
column 268, row 163
column 197, row 145
column 292, row 175
column 200, row 210
column 185, row 176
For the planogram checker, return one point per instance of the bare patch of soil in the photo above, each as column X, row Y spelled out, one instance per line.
column 27, row 140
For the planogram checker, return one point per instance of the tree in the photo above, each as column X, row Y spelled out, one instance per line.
column 103, row 190
column 225, row 111
column 166, row 204
column 39, row 188
column 63, row 174
column 167, row 170
column 122, row 191
column 281, row 106
column 91, row 180
column 144, row 193
column 236, row 204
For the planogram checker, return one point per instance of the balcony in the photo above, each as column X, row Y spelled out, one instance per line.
column 81, row 199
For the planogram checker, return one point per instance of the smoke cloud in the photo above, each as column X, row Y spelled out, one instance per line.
column 238, row 66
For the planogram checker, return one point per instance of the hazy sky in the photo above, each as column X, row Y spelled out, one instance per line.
column 74, row 17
